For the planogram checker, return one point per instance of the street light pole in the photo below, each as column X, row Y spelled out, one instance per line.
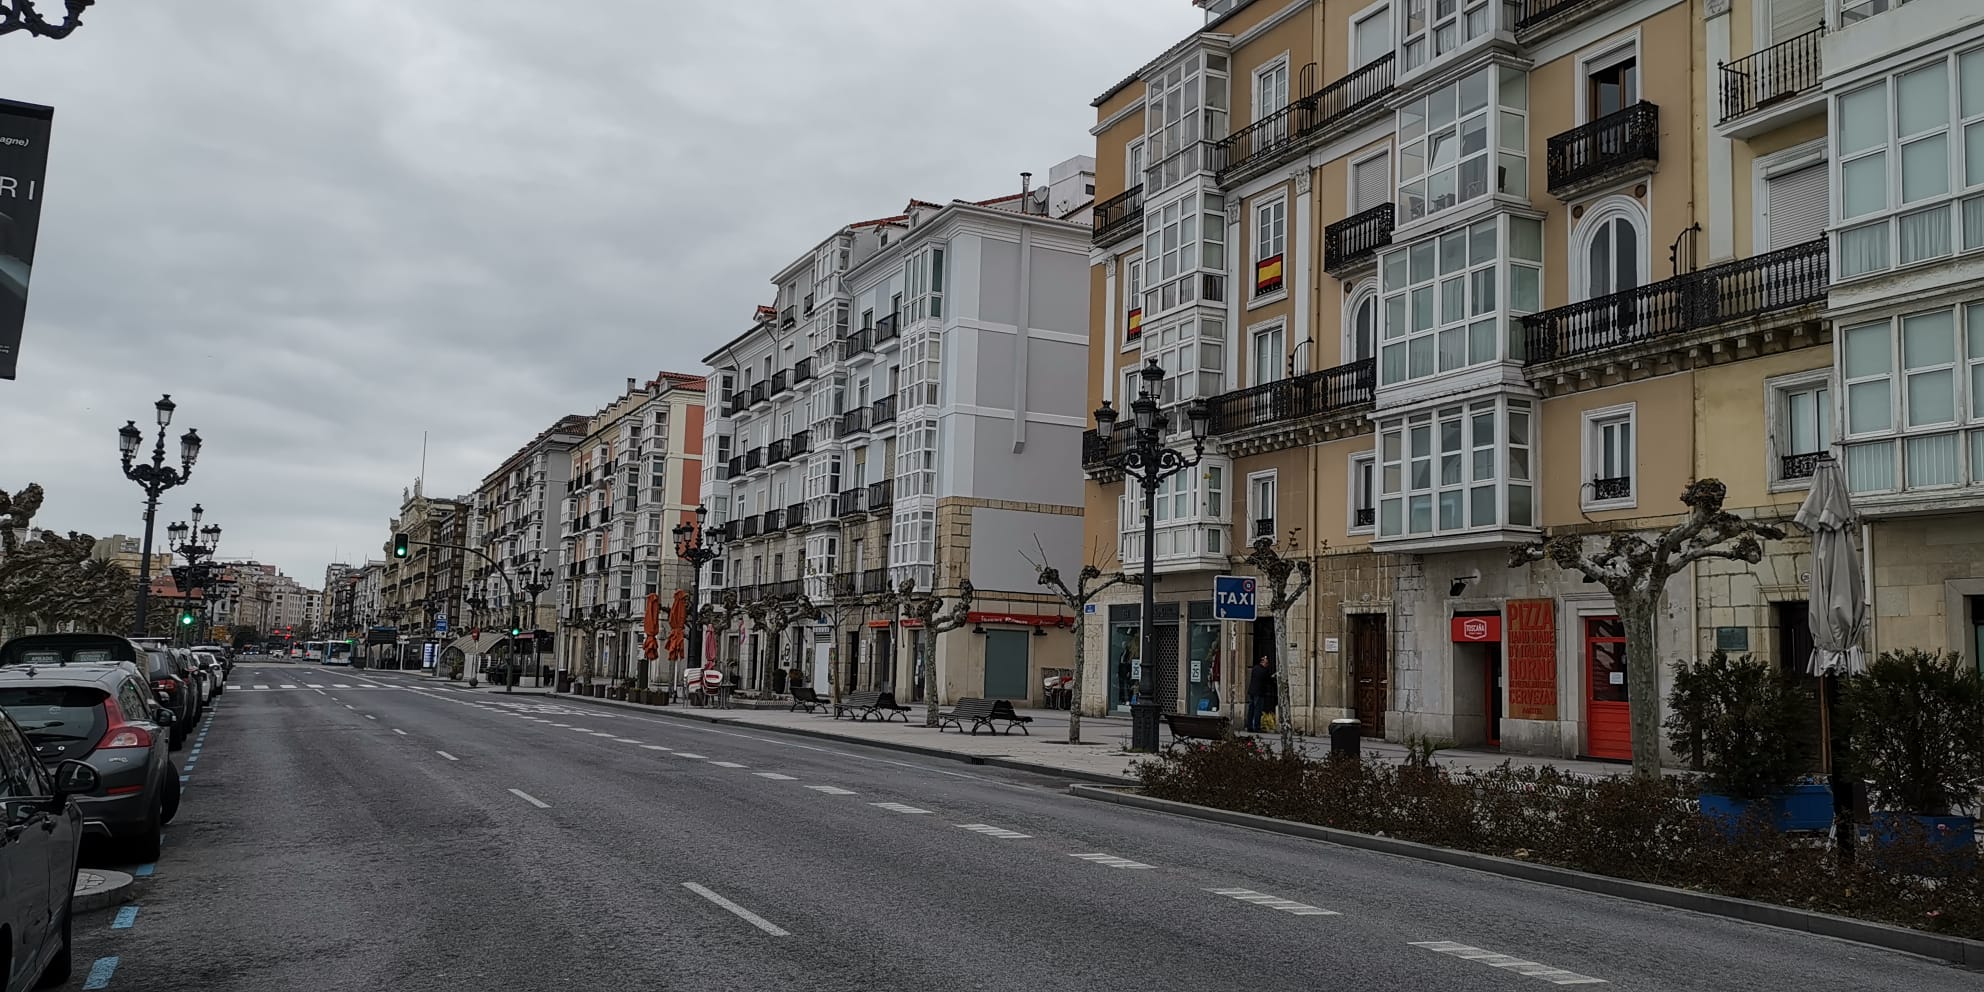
column 696, row 544
column 1147, row 460
column 535, row 582
column 155, row 477
column 197, row 544
column 21, row 15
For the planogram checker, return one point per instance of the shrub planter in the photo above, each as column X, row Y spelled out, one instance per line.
column 1802, row 807
column 1956, row 834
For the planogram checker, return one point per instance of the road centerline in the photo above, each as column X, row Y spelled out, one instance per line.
column 738, row 911
column 527, row 797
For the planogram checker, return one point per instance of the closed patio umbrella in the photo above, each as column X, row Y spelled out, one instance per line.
column 1838, row 620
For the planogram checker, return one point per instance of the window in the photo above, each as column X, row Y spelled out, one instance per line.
column 1363, row 492
column 1443, row 302
column 1799, row 418
column 1370, row 182
column 1270, row 241
column 1906, row 146
column 923, row 280
column 1438, row 471
column 1612, row 83
column 916, row 460
column 1133, row 302
column 1371, row 36
column 1261, row 506
column 1271, row 88
column 1445, row 142
column 1795, row 206
column 1912, row 385
column 1453, row 23
column 1184, row 239
column 1133, row 164
column 921, row 369
column 1268, row 353
column 1192, row 354
column 1612, row 248
column 1185, row 107
column 1608, row 477
column 1188, row 514
column 1361, row 326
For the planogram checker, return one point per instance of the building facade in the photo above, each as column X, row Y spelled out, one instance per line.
column 905, row 412
column 1451, row 279
column 519, row 524
column 422, row 593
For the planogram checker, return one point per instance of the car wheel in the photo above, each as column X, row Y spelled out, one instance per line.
column 59, row 967
column 169, row 806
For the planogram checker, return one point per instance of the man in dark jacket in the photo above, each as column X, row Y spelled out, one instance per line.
column 1260, row 693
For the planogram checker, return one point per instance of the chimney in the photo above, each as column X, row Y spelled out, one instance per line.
column 1026, row 191
column 630, row 383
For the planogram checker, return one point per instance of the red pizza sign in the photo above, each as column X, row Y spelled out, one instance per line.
column 1477, row 630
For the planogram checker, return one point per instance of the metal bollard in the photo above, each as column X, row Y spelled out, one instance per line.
column 1345, row 738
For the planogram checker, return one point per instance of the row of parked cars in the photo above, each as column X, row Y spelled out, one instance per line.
column 87, row 726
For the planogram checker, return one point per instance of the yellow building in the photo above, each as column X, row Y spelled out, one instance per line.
column 1452, row 277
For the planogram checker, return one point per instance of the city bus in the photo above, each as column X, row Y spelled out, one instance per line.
column 328, row 652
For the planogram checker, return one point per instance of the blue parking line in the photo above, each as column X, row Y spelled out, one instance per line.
column 185, row 778
column 145, row 870
column 125, row 917
column 100, row 973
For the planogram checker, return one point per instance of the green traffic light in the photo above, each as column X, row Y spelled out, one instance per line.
column 185, row 619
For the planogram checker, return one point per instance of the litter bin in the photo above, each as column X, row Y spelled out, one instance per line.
column 1345, row 737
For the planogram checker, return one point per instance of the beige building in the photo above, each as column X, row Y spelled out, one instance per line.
column 518, row 523
column 422, row 593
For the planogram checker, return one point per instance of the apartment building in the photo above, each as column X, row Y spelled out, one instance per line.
column 421, row 592
column 634, row 472
column 1452, row 277
column 517, row 521
column 906, row 410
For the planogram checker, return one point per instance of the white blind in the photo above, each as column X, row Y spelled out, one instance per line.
column 1372, row 183
column 1795, row 205
column 1374, row 36
column 1791, row 18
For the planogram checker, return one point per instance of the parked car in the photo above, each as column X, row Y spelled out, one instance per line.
column 213, row 669
column 175, row 691
column 63, row 649
column 105, row 716
column 39, row 848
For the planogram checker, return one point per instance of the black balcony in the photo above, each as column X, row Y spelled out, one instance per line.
column 1532, row 15
column 802, row 370
column 754, row 459
column 1780, row 280
column 750, row 528
column 788, row 317
column 1366, row 516
column 774, row 521
column 1119, row 216
column 852, row 422
column 857, row 342
column 1285, row 401
column 1098, row 449
column 809, row 304
column 784, row 589
column 886, row 328
column 1357, row 238
column 1616, row 488
column 739, row 399
column 729, row 530
column 1604, row 150
column 1265, row 141
column 795, row 515
column 851, row 502
column 801, row 443
column 881, row 494
column 736, row 466
column 778, row 452
column 1777, row 73
column 1264, row 527
column 882, row 411
column 760, row 392
column 874, row 580
column 1799, row 466
column 780, row 382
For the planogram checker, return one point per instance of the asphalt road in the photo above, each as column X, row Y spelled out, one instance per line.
column 394, row 835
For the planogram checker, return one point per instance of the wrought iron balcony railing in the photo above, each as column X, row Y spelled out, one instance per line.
column 1119, row 216
column 1264, row 140
column 857, row 343
column 779, row 382
column 882, row 411
column 736, row 466
column 1777, row 73
column 874, row 580
column 774, row 521
column 885, row 328
column 788, row 317
column 852, row 422
column 800, row 444
column 1780, row 280
column 795, row 515
column 778, row 451
column 1612, row 144
column 1358, row 237
column 802, row 370
column 850, row 502
column 1800, row 466
column 1620, row 487
column 1287, row 400
column 759, row 392
column 754, row 458
column 751, row 526
column 1529, row 15
column 1366, row 516
column 881, row 494
column 1264, row 527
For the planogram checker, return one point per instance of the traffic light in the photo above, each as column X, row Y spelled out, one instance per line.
column 399, row 545
column 515, row 630
column 185, row 618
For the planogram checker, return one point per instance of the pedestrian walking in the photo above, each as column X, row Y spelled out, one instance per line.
column 1260, row 693
column 725, row 685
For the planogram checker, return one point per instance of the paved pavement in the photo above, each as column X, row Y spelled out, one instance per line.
column 404, row 836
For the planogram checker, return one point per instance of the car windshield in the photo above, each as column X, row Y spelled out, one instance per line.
column 55, row 712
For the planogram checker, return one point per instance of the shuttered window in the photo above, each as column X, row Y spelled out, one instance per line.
column 1373, row 182
column 1791, row 18
column 1795, row 205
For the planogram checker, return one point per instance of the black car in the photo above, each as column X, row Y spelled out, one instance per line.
column 106, row 717
column 39, row 845
column 176, row 689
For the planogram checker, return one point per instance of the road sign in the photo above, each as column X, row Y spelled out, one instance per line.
column 221, row 635
column 440, row 623
column 1233, row 597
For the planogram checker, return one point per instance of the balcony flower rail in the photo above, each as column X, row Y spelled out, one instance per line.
column 1286, row 400
column 1780, row 280
column 1777, row 73
column 1358, row 237
column 1620, row 487
column 881, row 494
column 1799, row 466
column 1264, row 527
column 1610, row 143
column 1365, row 516
column 1121, row 214
column 1266, row 138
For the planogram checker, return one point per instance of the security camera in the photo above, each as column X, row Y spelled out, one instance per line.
column 1461, row 581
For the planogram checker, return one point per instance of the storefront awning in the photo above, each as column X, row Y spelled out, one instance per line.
column 477, row 645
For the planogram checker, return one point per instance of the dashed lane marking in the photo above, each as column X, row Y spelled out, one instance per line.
column 1110, row 860
column 656, row 747
column 527, row 797
column 400, row 732
column 625, row 740
column 125, row 918
column 686, row 754
column 100, row 972
column 448, row 756
column 739, row 911
column 1273, row 902
column 728, row 764
column 776, row 777
column 991, row 831
column 1531, row 969
column 831, row 790
column 899, row 808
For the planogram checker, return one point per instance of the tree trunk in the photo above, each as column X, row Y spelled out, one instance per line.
column 929, row 637
column 1642, row 683
column 833, row 664
column 1281, row 705
column 1075, row 687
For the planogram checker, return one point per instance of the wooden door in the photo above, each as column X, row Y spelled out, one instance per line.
column 1370, row 668
column 1608, row 712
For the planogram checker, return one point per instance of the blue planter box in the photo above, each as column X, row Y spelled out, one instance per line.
column 1951, row 833
column 1804, row 807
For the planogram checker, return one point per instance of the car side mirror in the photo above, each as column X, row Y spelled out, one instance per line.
column 75, row 778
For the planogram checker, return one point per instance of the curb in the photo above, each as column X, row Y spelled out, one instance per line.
column 995, row 761
column 1956, row 950
column 115, row 888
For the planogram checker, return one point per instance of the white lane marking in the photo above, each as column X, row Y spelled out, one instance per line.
column 334, row 685
column 686, row 754
column 1555, row 976
column 602, row 733
column 561, row 724
column 656, row 747
column 400, row 732
column 991, row 831
column 583, row 730
column 261, row 687
column 314, row 685
column 739, row 911
column 527, row 797
column 369, row 716
column 1273, row 902
column 831, row 790
column 234, row 686
column 776, row 777
column 899, row 808
column 289, row 687
column 349, row 706
column 448, row 756
column 1111, row 860
column 625, row 740
column 728, row 764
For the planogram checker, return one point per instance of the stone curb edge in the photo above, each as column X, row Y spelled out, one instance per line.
column 995, row 761
column 1957, row 950
column 107, row 896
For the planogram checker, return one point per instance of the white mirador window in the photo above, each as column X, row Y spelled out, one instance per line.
column 1183, row 107
column 1363, row 492
column 1192, row 353
column 921, row 368
column 1270, row 244
column 923, row 283
column 1269, row 351
column 822, row 555
column 1184, row 240
column 1914, row 400
column 913, row 539
column 1189, row 514
column 1271, row 88
column 1448, row 299
column 1436, row 27
column 1463, row 141
column 1442, row 471
column 916, row 459
column 1910, row 154
column 1609, row 480
column 1798, row 425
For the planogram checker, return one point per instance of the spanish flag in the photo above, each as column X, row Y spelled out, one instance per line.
column 1136, row 322
column 1267, row 274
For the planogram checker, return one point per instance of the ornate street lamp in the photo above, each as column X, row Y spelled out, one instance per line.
column 155, row 477
column 197, row 545
column 698, row 544
column 21, row 15
column 535, row 583
column 1149, row 461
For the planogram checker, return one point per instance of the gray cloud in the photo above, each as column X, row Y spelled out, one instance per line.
column 327, row 227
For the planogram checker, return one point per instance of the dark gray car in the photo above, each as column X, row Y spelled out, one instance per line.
column 41, row 835
column 107, row 717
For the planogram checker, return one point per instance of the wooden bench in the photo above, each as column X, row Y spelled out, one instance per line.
column 804, row 698
column 880, row 705
column 1191, row 726
column 982, row 713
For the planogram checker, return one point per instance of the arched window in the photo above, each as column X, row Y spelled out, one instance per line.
column 1610, row 248
column 1360, row 325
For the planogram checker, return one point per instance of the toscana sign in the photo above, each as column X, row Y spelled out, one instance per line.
column 23, row 168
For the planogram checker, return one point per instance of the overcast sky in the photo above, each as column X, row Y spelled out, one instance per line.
column 327, row 226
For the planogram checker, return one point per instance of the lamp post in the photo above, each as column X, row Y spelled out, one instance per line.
column 196, row 544
column 698, row 545
column 535, row 583
column 155, row 477
column 21, row 15
column 1147, row 460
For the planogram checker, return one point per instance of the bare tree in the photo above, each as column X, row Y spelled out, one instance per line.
column 1089, row 583
column 1635, row 571
column 929, row 611
column 773, row 617
column 841, row 605
column 17, row 511
column 1279, row 573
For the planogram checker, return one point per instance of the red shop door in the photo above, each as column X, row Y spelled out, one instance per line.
column 1608, row 714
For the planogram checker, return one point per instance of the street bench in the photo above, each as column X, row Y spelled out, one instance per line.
column 804, row 698
column 1191, row 726
column 982, row 713
column 880, row 705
